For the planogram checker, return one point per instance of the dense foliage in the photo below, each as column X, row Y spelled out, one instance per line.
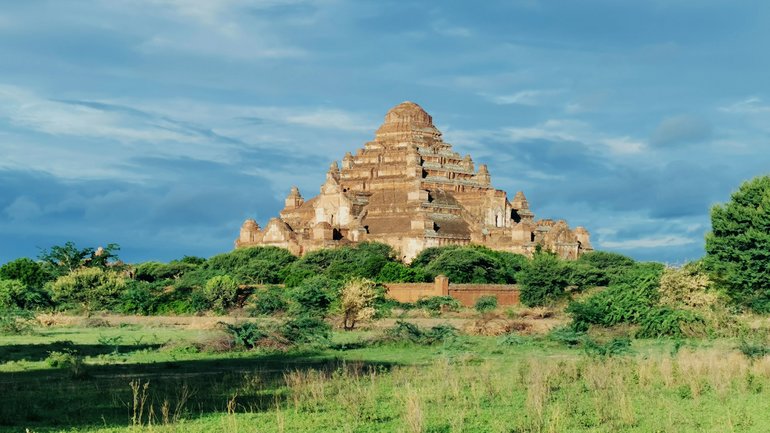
column 543, row 279
column 738, row 246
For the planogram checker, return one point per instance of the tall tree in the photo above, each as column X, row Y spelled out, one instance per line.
column 738, row 246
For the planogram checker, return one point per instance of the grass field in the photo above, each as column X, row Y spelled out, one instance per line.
column 168, row 374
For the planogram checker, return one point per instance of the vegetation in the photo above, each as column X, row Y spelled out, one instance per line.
column 738, row 247
column 543, row 279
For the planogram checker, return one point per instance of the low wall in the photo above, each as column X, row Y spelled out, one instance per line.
column 466, row 294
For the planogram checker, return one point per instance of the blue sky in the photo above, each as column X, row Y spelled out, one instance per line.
column 162, row 124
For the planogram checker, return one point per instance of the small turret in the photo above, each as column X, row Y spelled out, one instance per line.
column 584, row 238
column 347, row 161
column 468, row 163
column 519, row 201
column 483, row 176
column 249, row 232
column 294, row 199
column 334, row 171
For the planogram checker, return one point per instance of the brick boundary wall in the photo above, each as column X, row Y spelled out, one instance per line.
column 466, row 294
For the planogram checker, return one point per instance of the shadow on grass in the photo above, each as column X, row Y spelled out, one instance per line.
column 46, row 399
column 39, row 352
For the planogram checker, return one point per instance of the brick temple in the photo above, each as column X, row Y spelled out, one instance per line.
column 408, row 188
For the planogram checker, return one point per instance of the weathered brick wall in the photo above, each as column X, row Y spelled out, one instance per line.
column 467, row 294
column 410, row 292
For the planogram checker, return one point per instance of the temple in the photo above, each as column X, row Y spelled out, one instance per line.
column 408, row 188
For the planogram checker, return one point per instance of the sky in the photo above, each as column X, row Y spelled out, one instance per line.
column 161, row 125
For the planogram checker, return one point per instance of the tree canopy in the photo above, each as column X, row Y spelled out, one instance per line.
column 738, row 246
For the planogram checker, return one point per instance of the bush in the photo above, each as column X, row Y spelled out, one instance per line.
column 256, row 265
column 485, row 304
column 669, row 322
column 156, row 271
column 137, row 299
column 365, row 260
column 269, row 301
column 438, row 304
column 27, row 271
column 738, row 246
column 409, row 332
column 306, row 330
column 397, row 272
column 14, row 321
column 92, row 288
column 69, row 360
column 313, row 297
column 542, row 280
column 221, row 292
column 357, row 300
column 472, row 264
column 247, row 335
column 616, row 346
column 16, row 294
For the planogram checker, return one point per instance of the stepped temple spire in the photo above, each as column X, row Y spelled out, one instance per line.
column 409, row 189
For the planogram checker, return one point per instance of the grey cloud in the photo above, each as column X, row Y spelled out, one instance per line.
column 680, row 130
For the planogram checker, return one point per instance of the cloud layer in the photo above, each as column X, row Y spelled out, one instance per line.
column 162, row 124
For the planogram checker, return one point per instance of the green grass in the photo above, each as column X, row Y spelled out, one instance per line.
column 469, row 384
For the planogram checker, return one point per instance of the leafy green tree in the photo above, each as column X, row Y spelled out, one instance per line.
column 397, row 272
column 92, row 288
column 467, row 265
column 314, row 296
column 68, row 257
column 27, row 271
column 16, row 294
column 542, row 280
column 738, row 246
column 221, row 292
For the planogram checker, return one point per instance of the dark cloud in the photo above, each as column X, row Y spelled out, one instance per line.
column 196, row 211
column 680, row 130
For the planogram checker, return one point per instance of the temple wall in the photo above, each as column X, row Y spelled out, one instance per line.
column 466, row 294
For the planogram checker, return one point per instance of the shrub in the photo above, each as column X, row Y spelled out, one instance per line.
column 485, row 304
column 542, row 280
column 269, row 301
column 626, row 301
column 409, row 332
column 438, row 304
column 156, row 271
column 221, row 292
column 669, row 322
column 14, row 321
column 93, row 288
column 753, row 350
column 357, row 299
column 137, row 299
column 16, row 294
column 616, row 346
column 738, row 246
column 69, row 360
column 467, row 265
column 256, row 265
column 247, row 335
column 29, row 272
column 313, row 297
column 306, row 330
column 397, row 272
column 365, row 260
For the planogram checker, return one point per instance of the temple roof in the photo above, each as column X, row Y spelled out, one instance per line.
column 407, row 117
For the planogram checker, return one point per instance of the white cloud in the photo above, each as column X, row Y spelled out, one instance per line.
column 573, row 130
column 524, row 97
column 751, row 105
column 649, row 242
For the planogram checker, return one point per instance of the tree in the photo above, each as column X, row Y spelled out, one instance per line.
column 16, row 294
column 357, row 300
column 93, row 288
column 27, row 271
column 738, row 246
column 542, row 280
column 222, row 292
column 68, row 257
